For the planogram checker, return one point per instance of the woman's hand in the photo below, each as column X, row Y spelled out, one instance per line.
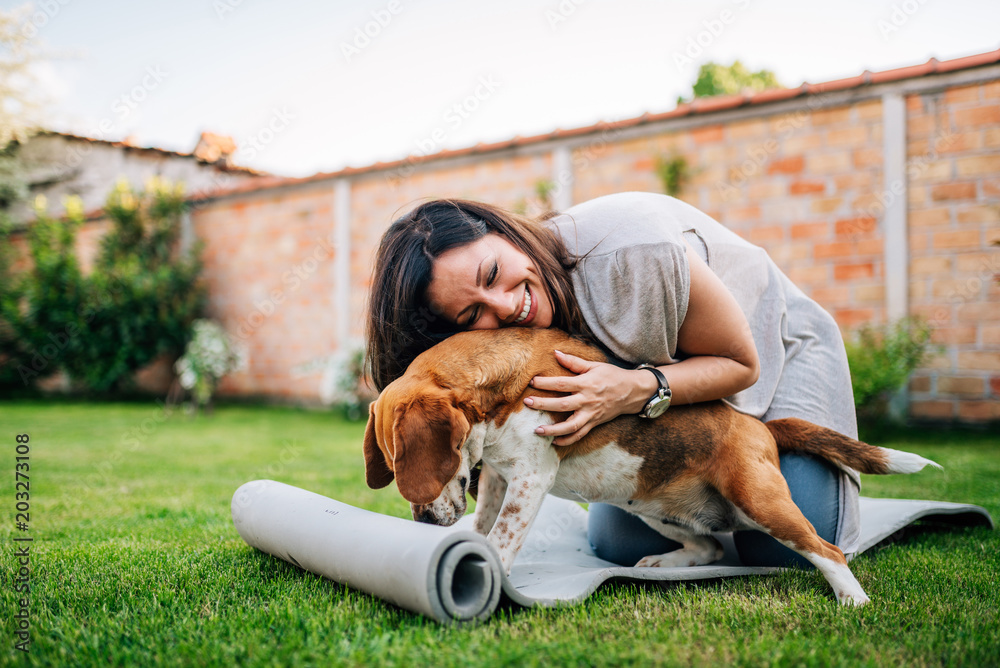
column 599, row 393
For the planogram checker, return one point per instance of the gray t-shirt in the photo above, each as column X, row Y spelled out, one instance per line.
column 633, row 281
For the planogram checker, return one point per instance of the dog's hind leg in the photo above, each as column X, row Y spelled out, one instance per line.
column 696, row 549
column 767, row 505
column 492, row 489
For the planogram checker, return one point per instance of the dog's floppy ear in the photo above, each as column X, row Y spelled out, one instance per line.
column 377, row 472
column 428, row 436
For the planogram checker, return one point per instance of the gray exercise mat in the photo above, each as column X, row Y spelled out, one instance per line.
column 453, row 575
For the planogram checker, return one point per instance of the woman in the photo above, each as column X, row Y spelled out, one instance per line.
column 653, row 281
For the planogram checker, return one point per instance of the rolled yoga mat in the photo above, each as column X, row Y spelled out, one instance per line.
column 446, row 575
column 453, row 575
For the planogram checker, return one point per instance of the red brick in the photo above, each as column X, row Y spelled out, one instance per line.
column 920, row 384
column 990, row 334
column 867, row 157
column 979, row 360
column 949, row 191
column 837, row 249
column 709, row 133
column 869, row 294
column 995, row 385
column 979, row 411
column 854, row 135
column 792, row 165
column 932, row 409
column 846, row 272
column 825, row 204
column 961, row 385
column 957, row 239
column 805, row 187
column 978, row 165
column 977, row 312
column 829, row 163
column 643, row 164
column 849, row 318
column 954, row 335
column 762, row 233
column 815, row 274
column 810, row 230
column 962, row 94
column 959, row 142
column 936, row 217
column 831, row 295
column 989, row 213
column 830, row 116
column 987, row 114
column 853, row 227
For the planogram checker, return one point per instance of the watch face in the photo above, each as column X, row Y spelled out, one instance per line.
column 657, row 407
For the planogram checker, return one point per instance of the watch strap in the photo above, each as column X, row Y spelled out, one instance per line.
column 660, row 378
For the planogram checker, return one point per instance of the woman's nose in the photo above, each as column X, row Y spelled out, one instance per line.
column 504, row 305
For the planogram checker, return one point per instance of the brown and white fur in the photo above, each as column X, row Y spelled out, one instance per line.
column 695, row 470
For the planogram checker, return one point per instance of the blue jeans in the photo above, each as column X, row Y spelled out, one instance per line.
column 622, row 538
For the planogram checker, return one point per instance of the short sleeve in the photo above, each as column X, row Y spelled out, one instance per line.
column 635, row 298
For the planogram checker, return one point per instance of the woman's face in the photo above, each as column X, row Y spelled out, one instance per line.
column 488, row 284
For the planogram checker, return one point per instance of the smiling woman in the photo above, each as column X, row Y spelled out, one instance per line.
column 686, row 311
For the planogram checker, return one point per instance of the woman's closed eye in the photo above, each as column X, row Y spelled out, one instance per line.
column 491, row 279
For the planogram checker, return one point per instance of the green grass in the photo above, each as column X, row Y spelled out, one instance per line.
column 136, row 562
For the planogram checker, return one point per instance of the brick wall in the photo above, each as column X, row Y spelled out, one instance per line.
column 953, row 140
column 804, row 178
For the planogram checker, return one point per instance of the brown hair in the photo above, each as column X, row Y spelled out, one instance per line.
column 401, row 325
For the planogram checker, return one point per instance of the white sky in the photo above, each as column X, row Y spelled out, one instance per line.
column 277, row 72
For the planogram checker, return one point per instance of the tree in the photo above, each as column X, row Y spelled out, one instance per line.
column 715, row 79
column 20, row 103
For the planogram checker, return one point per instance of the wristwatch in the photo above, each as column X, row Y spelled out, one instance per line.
column 660, row 401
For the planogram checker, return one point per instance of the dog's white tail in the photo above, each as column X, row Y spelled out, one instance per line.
column 906, row 462
column 795, row 435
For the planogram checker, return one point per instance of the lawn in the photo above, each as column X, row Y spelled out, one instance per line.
column 135, row 562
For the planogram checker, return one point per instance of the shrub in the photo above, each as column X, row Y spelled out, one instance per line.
column 210, row 355
column 882, row 359
column 137, row 303
column 353, row 390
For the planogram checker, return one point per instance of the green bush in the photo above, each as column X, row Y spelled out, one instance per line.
column 882, row 359
column 138, row 302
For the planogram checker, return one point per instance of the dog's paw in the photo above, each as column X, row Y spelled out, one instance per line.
column 676, row 559
column 855, row 601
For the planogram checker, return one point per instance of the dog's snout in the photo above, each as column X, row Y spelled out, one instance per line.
column 423, row 514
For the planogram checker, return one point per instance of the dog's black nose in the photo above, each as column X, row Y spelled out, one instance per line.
column 423, row 515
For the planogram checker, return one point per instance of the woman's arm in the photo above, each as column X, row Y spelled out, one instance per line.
column 721, row 361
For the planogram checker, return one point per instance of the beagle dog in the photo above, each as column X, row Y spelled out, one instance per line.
column 695, row 470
